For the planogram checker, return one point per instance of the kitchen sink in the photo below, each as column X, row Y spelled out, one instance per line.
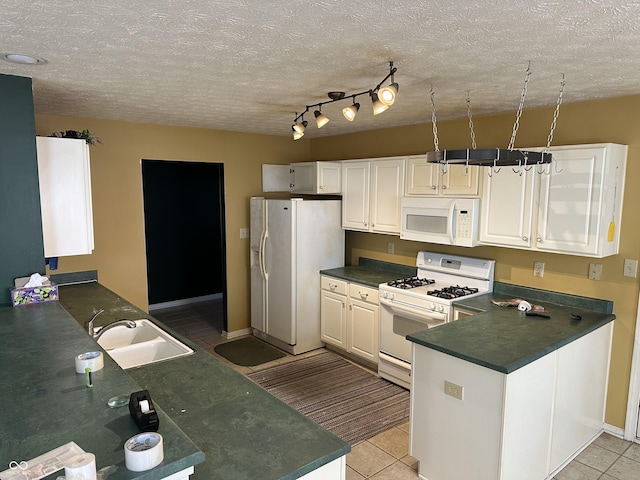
column 143, row 345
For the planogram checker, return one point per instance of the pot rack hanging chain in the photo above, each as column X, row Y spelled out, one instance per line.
column 473, row 134
column 563, row 83
column 520, row 107
column 433, row 119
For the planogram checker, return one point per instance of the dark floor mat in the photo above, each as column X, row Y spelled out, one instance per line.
column 248, row 352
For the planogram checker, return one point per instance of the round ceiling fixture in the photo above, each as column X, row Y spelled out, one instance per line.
column 22, row 59
column 336, row 95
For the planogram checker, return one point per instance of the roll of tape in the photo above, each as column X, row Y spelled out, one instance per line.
column 143, row 452
column 82, row 467
column 92, row 360
column 524, row 306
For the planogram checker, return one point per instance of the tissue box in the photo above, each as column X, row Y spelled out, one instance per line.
column 27, row 296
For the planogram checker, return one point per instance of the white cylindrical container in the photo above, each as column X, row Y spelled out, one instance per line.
column 143, row 451
column 82, row 467
column 92, row 360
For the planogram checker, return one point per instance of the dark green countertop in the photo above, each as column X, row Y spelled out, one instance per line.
column 245, row 432
column 371, row 272
column 46, row 404
column 503, row 338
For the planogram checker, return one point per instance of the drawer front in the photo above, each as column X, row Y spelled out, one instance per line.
column 334, row 285
column 366, row 294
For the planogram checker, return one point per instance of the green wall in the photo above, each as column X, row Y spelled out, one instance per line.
column 21, row 247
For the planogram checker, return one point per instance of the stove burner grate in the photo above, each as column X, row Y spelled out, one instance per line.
column 411, row 282
column 452, row 292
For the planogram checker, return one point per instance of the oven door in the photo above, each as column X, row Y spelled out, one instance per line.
column 397, row 320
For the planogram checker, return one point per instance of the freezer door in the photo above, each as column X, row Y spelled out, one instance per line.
column 279, row 254
column 258, row 280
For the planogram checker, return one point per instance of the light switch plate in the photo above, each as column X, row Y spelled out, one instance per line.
column 595, row 271
column 538, row 269
column 630, row 268
column 244, row 233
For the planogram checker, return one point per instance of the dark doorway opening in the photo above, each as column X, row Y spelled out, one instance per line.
column 184, row 232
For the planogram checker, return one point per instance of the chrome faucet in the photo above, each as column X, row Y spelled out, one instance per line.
column 97, row 334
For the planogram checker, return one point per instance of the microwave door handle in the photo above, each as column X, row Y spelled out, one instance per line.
column 452, row 210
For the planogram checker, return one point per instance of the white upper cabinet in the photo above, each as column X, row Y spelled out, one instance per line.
column 65, row 196
column 572, row 206
column 371, row 194
column 427, row 179
column 313, row 178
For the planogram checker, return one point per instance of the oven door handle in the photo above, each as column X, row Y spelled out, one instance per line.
column 413, row 313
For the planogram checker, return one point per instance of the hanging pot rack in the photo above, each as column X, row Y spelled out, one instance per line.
column 495, row 157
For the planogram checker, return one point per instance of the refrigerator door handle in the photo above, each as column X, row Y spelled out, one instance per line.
column 263, row 244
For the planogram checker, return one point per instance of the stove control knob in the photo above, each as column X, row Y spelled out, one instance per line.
column 432, row 306
column 441, row 308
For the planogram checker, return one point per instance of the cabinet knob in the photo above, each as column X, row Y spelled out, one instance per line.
column 525, row 238
column 539, row 239
column 433, row 187
column 321, row 187
column 444, row 187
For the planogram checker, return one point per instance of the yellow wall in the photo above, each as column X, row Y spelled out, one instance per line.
column 116, row 178
column 613, row 120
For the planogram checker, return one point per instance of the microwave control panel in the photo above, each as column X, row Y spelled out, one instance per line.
column 464, row 225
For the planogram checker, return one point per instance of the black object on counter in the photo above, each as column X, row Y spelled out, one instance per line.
column 143, row 412
column 532, row 313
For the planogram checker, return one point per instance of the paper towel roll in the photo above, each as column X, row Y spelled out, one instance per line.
column 92, row 360
column 143, row 452
column 82, row 467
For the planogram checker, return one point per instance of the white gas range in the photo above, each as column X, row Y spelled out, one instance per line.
column 425, row 301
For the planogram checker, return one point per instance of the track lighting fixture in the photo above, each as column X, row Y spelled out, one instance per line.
column 351, row 111
column 378, row 106
column 321, row 120
column 381, row 98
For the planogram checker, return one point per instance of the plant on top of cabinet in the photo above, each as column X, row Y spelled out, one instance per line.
column 86, row 135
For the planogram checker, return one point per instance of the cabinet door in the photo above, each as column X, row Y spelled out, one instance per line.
column 329, row 177
column 571, row 202
column 507, row 208
column 422, row 177
column 65, row 195
column 333, row 326
column 387, row 185
column 460, row 181
column 355, row 195
column 364, row 331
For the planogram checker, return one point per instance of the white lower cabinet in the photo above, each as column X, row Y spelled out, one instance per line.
column 572, row 206
column 349, row 317
column 525, row 425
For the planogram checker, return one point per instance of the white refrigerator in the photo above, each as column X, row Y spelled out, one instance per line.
column 291, row 241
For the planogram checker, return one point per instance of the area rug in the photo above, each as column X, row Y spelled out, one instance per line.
column 345, row 399
column 248, row 352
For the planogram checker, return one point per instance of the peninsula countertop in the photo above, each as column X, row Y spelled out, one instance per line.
column 505, row 339
column 245, row 432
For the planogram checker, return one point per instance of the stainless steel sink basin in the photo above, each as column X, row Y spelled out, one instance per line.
column 143, row 345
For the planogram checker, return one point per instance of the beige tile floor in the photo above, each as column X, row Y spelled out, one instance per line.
column 386, row 456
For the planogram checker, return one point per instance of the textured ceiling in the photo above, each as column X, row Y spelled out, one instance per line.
column 250, row 65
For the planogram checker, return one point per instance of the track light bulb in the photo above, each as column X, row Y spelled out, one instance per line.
column 297, row 135
column 387, row 95
column 299, row 127
column 351, row 111
column 321, row 120
column 378, row 106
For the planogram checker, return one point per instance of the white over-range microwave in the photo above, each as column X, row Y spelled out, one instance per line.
column 445, row 221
